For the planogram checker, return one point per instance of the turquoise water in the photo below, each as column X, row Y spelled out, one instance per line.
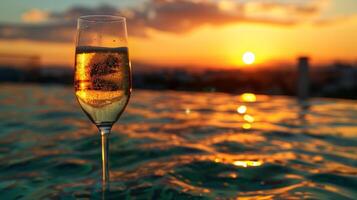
column 178, row 145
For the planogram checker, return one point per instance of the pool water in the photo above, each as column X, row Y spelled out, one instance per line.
column 178, row 145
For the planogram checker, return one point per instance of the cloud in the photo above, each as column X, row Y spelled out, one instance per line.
column 34, row 16
column 181, row 16
column 335, row 20
column 56, row 27
column 173, row 16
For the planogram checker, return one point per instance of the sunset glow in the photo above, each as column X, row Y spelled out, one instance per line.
column 178, row 99
column 326, row 34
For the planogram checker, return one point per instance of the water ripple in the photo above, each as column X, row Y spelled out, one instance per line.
column 178, row 145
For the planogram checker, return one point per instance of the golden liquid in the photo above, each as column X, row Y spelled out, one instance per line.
column 102, row 82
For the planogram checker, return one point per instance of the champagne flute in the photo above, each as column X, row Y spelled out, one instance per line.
column 102, row 78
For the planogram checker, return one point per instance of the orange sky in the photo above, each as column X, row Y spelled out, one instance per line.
column 226, row 45
column 218, row 45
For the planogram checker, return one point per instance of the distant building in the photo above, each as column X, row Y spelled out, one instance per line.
column 303, row 78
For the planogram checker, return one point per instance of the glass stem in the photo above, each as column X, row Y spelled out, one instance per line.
column 104, row 133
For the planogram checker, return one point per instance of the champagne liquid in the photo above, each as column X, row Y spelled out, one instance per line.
column 102, row 82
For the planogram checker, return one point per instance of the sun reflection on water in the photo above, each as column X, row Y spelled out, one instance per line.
column 242, row 109
column 248, row 118
column 247, row 126
column 247, row 163
column 187, row 111
column 248, row 97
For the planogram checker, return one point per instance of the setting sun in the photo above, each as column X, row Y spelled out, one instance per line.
column 248, row 58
